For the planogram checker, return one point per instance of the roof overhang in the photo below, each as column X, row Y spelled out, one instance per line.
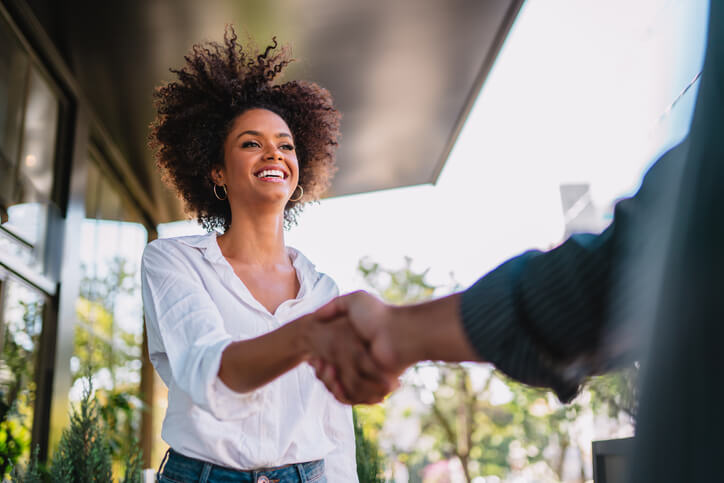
column 404, row 73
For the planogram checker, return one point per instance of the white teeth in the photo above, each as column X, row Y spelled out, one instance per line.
column 273, row 173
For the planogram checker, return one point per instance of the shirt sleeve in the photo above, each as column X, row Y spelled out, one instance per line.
column 497, row 314
column 341, row 463
column 186, row 334
column 552, row 319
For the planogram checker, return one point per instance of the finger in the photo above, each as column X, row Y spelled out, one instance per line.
column 316, row 363
column 321, row 369
column 369, row 392
column 395, row 384
column 326, row 374
column 329, row 374
column 331, row 381
column 369, row 367
column 333, row 309
column 359, row 387
column 339, row 393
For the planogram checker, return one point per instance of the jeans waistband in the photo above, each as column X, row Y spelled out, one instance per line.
column 182, row 469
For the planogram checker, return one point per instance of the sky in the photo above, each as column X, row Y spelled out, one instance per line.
column 580, row 93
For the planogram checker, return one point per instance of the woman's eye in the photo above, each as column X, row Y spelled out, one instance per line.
column 288, row 147
column 250, row 144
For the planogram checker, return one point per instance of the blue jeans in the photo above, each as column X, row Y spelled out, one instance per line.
column 182, row 469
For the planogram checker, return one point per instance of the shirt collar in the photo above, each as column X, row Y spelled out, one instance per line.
column 306, row 271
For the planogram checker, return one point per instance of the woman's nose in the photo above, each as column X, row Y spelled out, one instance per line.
column 274, row 153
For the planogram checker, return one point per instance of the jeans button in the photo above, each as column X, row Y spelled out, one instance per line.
column 262, row 479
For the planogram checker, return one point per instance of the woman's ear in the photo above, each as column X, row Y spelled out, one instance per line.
column 217, row 175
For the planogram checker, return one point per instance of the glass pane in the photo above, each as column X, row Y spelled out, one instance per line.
column 27, row 221
column 39, row 138
column 25, row 203
column 109, row 333
column 13, row 73
column 21, row 321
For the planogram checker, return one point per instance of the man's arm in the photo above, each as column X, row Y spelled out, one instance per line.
column 398, row 336
column 546, row 319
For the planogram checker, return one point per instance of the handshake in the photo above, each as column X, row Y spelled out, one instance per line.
column 359, row 345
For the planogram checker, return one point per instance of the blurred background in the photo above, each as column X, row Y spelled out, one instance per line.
column 472, row 131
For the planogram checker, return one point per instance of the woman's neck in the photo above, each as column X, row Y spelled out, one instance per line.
column 255, row 238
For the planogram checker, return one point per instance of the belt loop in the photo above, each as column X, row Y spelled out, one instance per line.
column 205, row 472
column 302, row 473
column 163, row 463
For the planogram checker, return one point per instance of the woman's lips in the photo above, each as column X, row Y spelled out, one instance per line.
column 271, row 175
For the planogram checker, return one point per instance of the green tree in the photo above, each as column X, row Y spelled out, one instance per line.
column 84, row 452
column 460, row 422
column 368, row 457
column 17, row 389
column 104, row 345
column 33, row 473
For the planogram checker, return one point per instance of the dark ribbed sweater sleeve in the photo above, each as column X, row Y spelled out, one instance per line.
column 551, row 319
column 534, row 315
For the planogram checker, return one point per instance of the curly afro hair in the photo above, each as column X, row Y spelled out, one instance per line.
column 196, row 112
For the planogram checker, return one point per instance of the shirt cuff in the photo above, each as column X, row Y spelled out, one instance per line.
column 225, row 403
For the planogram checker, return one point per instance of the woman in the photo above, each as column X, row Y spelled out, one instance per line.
column 221, row 309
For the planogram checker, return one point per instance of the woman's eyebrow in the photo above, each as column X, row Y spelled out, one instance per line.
column 257, row 133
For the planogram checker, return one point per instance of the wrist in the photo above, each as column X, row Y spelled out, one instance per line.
column 431, row 331
column 407, row 347
column 302, row 337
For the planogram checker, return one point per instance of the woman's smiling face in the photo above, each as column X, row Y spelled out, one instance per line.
column 260, row 159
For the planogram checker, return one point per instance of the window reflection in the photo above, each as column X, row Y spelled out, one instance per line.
column 109, row 333
column 13, row 74
column 39, row 139
column 21, row 321
column 29, row 120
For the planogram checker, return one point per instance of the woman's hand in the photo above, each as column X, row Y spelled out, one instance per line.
column 395, row 338
column 341, row 359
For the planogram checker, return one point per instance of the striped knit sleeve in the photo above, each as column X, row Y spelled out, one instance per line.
column 534, row 315
column 552, row 319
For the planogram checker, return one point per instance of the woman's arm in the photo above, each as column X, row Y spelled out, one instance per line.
column 188, row 339
column 250, row 364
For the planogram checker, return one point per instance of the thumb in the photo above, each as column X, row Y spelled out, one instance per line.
column 331, row 310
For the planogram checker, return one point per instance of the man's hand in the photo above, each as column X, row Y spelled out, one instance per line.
column 396, row 338
column 349, row 371
column 370, row 318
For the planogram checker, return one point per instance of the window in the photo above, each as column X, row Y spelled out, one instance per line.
column 21, row 322
column 29, row 119
column 109, row 333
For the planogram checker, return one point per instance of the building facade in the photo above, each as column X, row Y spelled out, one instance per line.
column 73, row 227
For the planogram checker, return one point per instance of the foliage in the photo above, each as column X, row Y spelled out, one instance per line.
column 134, row 467
column 17, row 389
column 84, row 453
column 403, row 286
column 617, row 392
column 461, row 419
column 103, row 343
column 369, row 459
column 33, row 473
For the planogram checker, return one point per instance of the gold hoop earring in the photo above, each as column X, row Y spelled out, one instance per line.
column 226, row 195
column 301, row 193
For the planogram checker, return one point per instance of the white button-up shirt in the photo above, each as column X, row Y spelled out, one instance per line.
column 195, row 306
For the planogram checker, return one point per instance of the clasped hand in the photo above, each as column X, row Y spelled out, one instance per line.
column 352, row 350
